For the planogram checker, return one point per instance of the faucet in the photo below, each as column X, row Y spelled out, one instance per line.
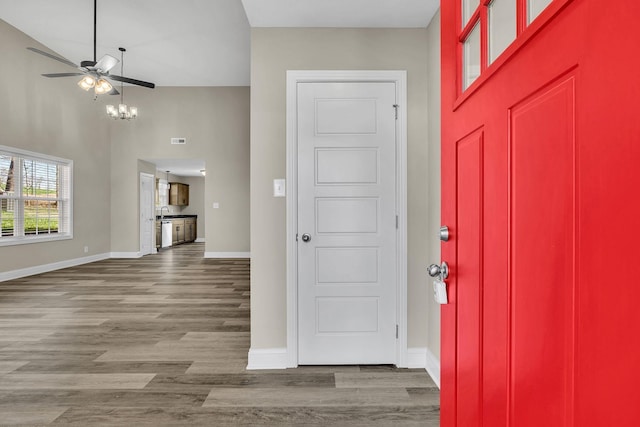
column 162, row 212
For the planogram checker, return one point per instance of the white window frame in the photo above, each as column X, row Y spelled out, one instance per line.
column 65, row 231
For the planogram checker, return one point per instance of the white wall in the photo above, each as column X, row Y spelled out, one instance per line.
column 275, row 50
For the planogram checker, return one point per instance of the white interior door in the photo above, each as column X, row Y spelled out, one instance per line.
column 346, row 145
column 147, row 217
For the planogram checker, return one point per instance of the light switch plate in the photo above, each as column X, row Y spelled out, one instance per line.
column 279, row 188
column 216, row 205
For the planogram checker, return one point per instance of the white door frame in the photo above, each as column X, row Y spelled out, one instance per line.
column 153, row 234
column 400, row 79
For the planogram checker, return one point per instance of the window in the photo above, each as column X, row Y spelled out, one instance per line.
column 488, row 28
column 35, row 197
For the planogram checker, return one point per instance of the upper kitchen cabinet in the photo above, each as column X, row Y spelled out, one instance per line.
column 178, row 194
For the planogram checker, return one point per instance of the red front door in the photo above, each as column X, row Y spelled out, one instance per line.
column 541, row 179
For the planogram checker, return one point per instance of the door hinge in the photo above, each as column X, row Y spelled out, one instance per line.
column 396, row 106
column 397, row 331
column 296, row 237
column 397, row 222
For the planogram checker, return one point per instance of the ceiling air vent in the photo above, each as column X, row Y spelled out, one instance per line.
column 178, row 141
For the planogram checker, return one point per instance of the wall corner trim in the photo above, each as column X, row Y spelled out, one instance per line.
column 45, row 268
column 268, row 358
column 227, row 254
column 416, row 357
column 125, row 255
column 433, row 367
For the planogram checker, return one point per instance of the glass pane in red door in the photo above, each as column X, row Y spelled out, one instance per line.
column 535, row 7
column 468, row 8
column 471, row 57
column 502, row 26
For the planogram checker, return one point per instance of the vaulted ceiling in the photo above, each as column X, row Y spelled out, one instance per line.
column 193, row 42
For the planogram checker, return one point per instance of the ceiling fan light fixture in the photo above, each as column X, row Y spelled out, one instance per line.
column 102, row 87
column 95, row 71
column 87, row 82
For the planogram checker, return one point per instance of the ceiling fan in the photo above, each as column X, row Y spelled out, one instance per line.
column 96, row 73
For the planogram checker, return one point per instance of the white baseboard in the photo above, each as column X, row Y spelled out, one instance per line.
column 417, row 357
column 268, row 358
column 433, row 367
column 278, row 358
column 45, row 268
column 227, row 254
column 126, row 255
column 199, row 240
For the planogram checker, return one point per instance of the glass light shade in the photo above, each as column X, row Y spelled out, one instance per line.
column 122, row 112
column 102, row 87
column 87, row 82
column 111, row 111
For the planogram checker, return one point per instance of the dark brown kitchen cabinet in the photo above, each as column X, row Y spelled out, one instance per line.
column 158, row 234
column 190, row 230
column 178, row 231
column 178, row 194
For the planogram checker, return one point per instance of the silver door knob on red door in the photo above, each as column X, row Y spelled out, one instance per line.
column 441, row 271
column 306, row 237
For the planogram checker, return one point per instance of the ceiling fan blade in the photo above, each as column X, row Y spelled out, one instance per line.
column 132, row 81
column 106, row 63
column 63, row 74
column 114, row 91
column 48, row 55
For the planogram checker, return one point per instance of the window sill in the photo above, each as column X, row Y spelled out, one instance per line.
column 13, row 241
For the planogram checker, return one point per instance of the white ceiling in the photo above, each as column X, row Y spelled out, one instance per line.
column 192, row 42
column 341, row 13
column 168, row 42
column 179, row 167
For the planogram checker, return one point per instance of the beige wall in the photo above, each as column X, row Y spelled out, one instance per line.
column 52, row 116
column 433, row 91
column 275, row 50
column 215, row 122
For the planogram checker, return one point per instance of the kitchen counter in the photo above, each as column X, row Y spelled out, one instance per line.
column 158, row 217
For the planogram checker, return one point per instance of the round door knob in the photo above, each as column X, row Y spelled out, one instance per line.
column 306, row 237
column 440, row 271
column 434, row 270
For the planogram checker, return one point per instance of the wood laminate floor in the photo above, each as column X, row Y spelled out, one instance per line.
column 163, row 341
